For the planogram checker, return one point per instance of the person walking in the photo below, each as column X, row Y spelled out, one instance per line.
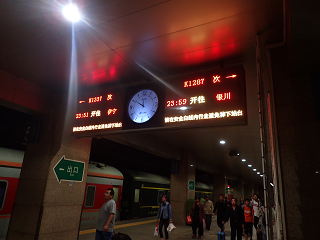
column 106, row 220
column 256, row 205
column 197, row 213
column 164, row 216
column 235, row 213
column 221, row 206
column 248, row 218
column 208, row 211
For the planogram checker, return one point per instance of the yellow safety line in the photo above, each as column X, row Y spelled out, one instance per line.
column 156, row 188
column 118, row 226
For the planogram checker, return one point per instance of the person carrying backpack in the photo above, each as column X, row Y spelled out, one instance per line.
column 248, row 217
column 164, row 216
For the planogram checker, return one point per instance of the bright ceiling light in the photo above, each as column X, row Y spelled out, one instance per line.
column 222, row 142
column 249, row 165
column 243, row 160
column 272, row 184
column 261, row 175
column 183, row 108
column 258, row 172
column 71, row 13
column 191, row 165
column 254, row 169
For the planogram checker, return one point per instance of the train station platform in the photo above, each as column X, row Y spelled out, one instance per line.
column 143, row 229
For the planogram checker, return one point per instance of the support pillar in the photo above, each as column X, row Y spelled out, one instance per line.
column 219, row 186
column 43, row 207
column 179, row 190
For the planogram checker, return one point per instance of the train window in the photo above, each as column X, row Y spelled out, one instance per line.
column 91, row 190
column 3, row 191
column 136, row 195
column 116, row 193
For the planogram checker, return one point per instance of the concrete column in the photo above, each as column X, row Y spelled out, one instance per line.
column 219, row 186
column 179, row 191
column 237, row 191
column 43, row 207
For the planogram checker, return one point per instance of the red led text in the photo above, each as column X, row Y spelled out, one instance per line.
column 81, row 101
column 82, row 115
column 179, row 102
column 232, row 76
column 112, row 111
column 223, row 96
column 216, row 79
column 95, row 99
column 193, row 83
column 109, row 97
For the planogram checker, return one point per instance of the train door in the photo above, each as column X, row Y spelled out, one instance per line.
column 136, row 203
column 117, row 199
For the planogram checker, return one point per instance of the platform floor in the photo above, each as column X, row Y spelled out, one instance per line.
column 143, row 229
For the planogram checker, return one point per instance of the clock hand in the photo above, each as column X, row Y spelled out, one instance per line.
column 139, row 103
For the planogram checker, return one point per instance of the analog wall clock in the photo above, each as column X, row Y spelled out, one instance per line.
column 143, row 105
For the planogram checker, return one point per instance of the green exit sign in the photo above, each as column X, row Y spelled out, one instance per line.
column 69, row 170
column 191, row 185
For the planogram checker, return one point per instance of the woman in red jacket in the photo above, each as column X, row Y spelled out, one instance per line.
column 197, row 213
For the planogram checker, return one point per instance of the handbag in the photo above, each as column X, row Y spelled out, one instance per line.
column 189, row 220
column 171, row 227
column 156, row 232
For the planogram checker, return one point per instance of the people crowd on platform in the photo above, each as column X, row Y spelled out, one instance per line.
column 246, row 219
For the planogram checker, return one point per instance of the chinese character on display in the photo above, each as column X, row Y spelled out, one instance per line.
column 223, row 96
column 98, row 113
column 109, row 97
column 193, row 100
column 69, row 169
column 201, row 99
column 93, row 113
column 216, row 79
column 112, row 111
column 75, row 170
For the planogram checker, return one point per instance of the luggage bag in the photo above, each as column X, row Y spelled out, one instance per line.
column 221, row 235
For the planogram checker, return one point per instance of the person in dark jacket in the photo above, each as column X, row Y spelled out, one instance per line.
column 164, row 216
column 221, row 206
column 235, row 213
column 197, row 213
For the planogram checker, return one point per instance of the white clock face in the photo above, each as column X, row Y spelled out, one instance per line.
column 143, row 105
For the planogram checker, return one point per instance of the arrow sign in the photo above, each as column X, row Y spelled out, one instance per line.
column 69, row 170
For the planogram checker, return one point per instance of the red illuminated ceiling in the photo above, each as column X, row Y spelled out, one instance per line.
column 122, row 40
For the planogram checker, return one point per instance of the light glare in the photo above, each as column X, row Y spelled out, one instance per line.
column 222, row 142
column 254, row 169
column 183, row 108
column 243, row 160
column 249, row 165
column 71, row 13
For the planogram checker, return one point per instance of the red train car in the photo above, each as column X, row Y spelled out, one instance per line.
column 99, row 179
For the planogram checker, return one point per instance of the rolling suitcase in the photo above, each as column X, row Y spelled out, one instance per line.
column 221, row 235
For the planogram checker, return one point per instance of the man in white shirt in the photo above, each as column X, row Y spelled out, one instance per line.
column 256, row 205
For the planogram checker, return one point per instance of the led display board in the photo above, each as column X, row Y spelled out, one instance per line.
column 208, row 98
